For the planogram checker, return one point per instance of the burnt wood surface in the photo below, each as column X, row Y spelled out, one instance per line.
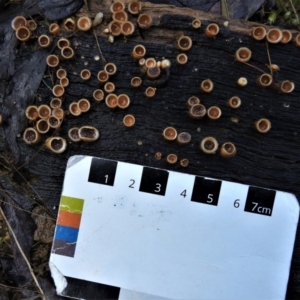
column 34, row 175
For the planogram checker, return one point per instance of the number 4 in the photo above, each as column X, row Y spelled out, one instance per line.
column 183, row 194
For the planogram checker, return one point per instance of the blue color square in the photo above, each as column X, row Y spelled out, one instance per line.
column 67, row 234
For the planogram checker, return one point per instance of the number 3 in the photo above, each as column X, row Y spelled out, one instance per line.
column 158, row 186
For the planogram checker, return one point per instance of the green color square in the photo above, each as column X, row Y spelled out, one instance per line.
column 70, row 204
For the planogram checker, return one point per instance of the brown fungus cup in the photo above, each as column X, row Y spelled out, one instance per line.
column 212, row 30
column 172, row 158
column 88, row 133
column 184, row 43
column 23, row 34
column 209, row 145
column 234, row 102
column 31, row 136
column 170, row 133
column 129, row 120
column 263, row 125
column 243, row 54
column 214, row 113
column 228, row 150
column 183, row 138
column 73, row 134
column 274, row 36
column 207, row 86
column 259, row 33
column 56, row 144
column 193, row 100
column 144, row 21
column 197, row 111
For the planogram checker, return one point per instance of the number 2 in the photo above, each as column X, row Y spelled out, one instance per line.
column 158, row 186
column 131, row 185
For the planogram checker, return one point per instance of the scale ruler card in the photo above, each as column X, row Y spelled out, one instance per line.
column 135, row 232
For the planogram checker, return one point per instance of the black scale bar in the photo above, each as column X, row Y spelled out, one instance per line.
column 82, row 289
column 207, row 191
column 260, row 201
column 154, row 181
column 103, row 171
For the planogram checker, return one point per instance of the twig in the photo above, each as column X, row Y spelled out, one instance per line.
column 102, row 57
column 27, row 161
column 51, row 77
column 260, row 70
column 295, row 12
column 225, row 10
column 22, row 209
column 269, row 57
column 46, row 85
column 24, row 256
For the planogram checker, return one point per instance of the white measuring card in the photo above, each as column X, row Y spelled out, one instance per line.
column 148, row 233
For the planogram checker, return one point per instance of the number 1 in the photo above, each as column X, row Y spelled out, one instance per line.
column 106, row 178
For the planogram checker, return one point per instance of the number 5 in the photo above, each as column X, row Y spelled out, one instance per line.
column 210, row 198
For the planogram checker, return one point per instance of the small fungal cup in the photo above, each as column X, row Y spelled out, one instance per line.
column 123, row 101
column 182, row 58
column 84, row 105
column 264, row 80
column 184, row 43
column 98, row 95
column 52, row 61
column 234, row 102
column 144, row 21
column 228, row 150
column 136, row 82
column 214, row 113
column 111, row 100
column 44, row 41
column 84, row 23
column 259, row 33
column 184, row 138
column 134, row 7
column 197, row 111
column 207, row 86
column 138, row 52
column 150, row 92
column 31, row 136
column 56, row 144
column 170, row 133
column 243, row 54
column 129, row 120
column 74, row 135
column 23, row 34
column 274, row 36
column 172, row 158
column 212, row 30
column 209, row 145
column 88, row 133
column 263, row 125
